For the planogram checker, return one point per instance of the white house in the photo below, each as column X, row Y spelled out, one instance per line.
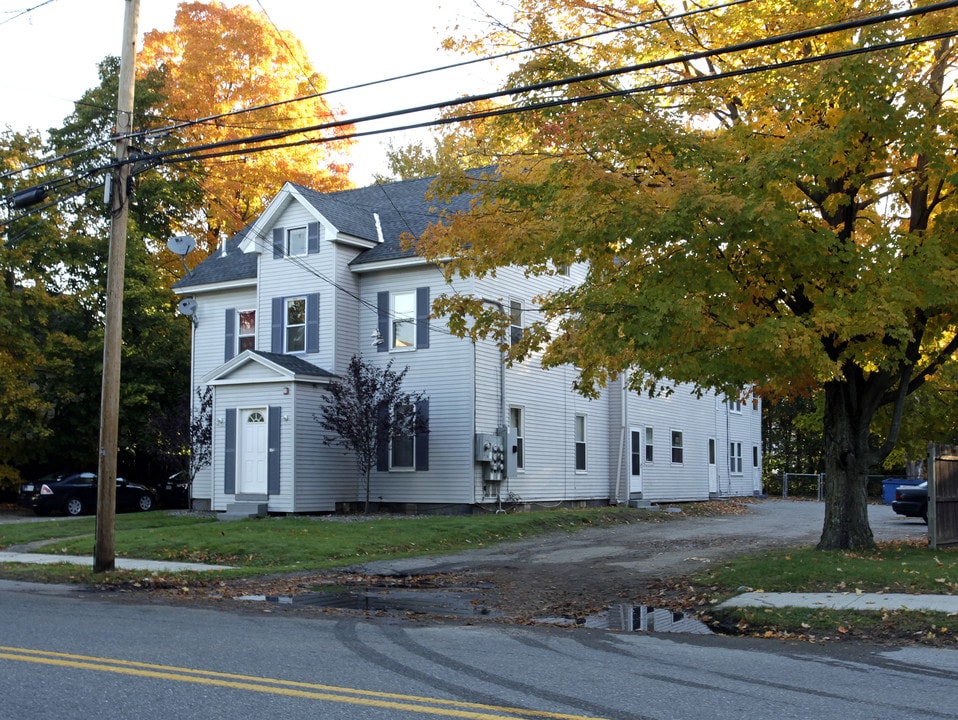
column 320, row 277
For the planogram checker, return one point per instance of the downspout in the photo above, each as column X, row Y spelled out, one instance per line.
column 623, row 420
column 503, row 410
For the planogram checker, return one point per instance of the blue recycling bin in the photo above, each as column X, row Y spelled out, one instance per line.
column 888, row 486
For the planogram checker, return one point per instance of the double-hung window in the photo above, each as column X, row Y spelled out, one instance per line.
column 649, row 452
column 297, row 243
column 515, row 322
column 735, row 458
column 403, row 321
column 517, row 421
column 677, row 447
column 580, row 443
column 402, row 447
column 294, row 325
column 295, row 328
column 246, row 330
column 240, row 332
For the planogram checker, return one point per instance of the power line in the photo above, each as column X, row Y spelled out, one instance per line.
column 647, row 23
column 171, row 155
column 26, row 12
column 451, row 66
column 266, row 106
column 167, row 129
column 200, row 152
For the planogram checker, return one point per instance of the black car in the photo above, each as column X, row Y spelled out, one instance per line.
column 912, row 501
column 175, row 492
column 76, row 493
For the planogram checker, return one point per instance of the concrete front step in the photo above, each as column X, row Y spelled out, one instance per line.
column 243, row 509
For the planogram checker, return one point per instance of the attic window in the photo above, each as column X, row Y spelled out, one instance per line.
column 297, row 242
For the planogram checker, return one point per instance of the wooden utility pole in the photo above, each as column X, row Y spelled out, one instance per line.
column 104, row 551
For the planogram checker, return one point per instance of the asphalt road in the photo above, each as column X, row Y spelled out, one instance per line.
column 71, row 654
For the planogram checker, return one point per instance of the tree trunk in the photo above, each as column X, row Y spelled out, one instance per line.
column 366, row 485
column 847, row 462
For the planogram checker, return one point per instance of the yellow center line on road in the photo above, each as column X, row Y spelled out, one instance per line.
column 276, row 686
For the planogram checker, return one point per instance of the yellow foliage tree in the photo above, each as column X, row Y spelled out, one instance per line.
column 219, row 60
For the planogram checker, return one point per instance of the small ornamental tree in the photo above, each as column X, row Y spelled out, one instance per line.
column 201, row 433
column 187, row 449
column 366, row 409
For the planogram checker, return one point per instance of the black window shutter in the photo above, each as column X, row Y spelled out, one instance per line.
column 382, row 441
column 382, row 310
column 314, row 233
column 230, row 334
column 312, row 323
column 229, row 455
column 422, row 434
column 272, row 460
column 276, row 326
column 279, row 242
column 422, row 317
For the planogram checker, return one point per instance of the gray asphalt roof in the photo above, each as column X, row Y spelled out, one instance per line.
column 294, row 364
column 220, row 267
column 402, row 208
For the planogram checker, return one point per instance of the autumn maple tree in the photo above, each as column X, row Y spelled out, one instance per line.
column 218, row 62
column 764, row 205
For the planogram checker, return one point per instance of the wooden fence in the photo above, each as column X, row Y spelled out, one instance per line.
column 942, row 495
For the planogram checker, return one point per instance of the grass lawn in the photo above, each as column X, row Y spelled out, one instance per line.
column 896, row 567
column 291, row 544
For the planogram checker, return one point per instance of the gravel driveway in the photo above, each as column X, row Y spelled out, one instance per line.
column 577, row 574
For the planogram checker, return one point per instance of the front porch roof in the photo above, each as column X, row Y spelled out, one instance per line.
column 277, row 366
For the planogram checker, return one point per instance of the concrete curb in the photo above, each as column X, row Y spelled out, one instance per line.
column 846, row 601
column 121, row 563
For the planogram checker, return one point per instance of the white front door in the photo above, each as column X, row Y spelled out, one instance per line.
column 635, row 460
column 713, row 471
column 254, row 451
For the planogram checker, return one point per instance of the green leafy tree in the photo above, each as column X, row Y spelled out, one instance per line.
column 37, row 345
column 53, row 262
column 365, row 410
column 778, row 219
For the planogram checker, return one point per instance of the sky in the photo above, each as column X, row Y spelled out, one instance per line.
column 49, row 50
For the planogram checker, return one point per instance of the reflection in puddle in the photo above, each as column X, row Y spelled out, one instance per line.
column 645, row 619
column 382, row 600
column 456, row 603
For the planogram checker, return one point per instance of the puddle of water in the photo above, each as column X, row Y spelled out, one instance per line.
column 416, row 602
column 638, row 618
column 641, row 618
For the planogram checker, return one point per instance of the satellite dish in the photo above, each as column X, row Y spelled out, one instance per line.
column 187, row 306
column 180, row 245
